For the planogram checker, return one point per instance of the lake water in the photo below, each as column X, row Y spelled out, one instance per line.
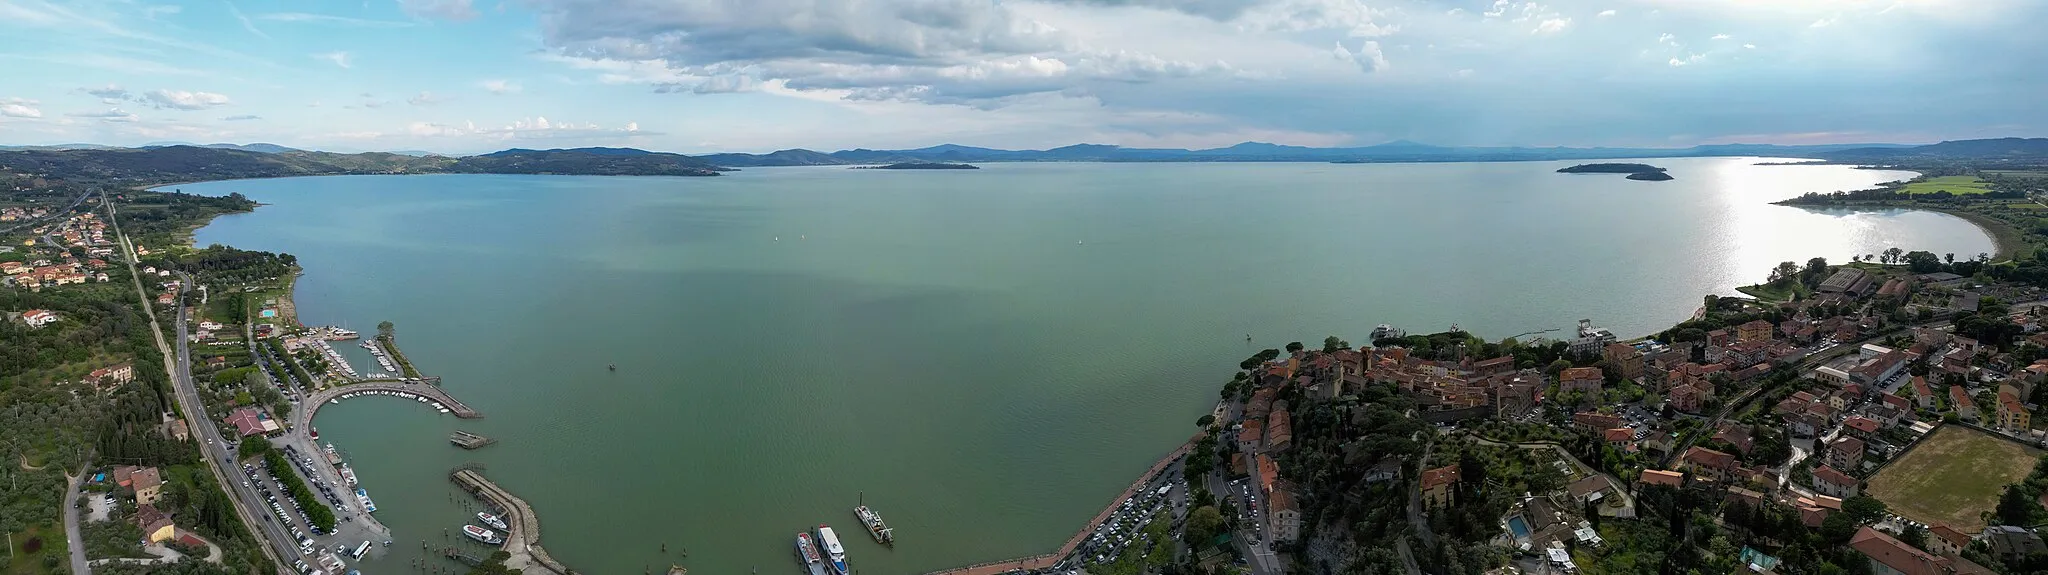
column 988, row 355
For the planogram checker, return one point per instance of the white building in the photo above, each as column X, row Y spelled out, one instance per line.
column 1591, row 340
column 36, row 318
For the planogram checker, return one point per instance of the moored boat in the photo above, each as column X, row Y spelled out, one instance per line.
column 835, row 554
column 492, row 520
column 807, row 554
column 482, row 535
column 876, row 527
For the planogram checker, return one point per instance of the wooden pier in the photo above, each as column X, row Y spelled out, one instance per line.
column 523, row 539
column 467, row 440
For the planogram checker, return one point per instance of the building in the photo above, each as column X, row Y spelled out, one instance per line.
column 1587, row 380
column 1844, row 453
column 118, row 374
column 148, row 484
column 1959, row 400
column 1860, row 426
column 37, row 318
column 2012, row 415
column 1923, row 394
column 1846, row 280
column 1279, row 430
column 1590, row 489
column 1889, row 556
column 1703, row 462
column 1625, row 360
column 1830, row 482
column 1248, row 435
column 1946, row 541
column 1283, row 516
column 1621, row 438
column 2010, row 542
column 249, row 421
column 1661, row 477
column 1592, row 422
column 1591, row 340
column 156, row 525
column 1753, row 332
column 1687, row 398
column 1439, row 486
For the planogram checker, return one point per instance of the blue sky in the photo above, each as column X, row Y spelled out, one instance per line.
column 462, row 76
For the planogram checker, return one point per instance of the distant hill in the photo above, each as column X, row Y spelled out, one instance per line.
column 1397, row 151
column 195, row 163
column 797, row 157
column 1996, row 148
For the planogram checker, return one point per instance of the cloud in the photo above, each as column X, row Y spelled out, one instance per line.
column 339, row 58
column 152, row 12
column 1606, row 13
column 425, row 99
column 111, row 115
column 536, row 128
column 110, row 94
column 182, row 100
column 1688, row 60
column 308, row 18
column 19, row 108
column 726, row 84
column 443, row 9
column 1749, row 46
column 499, row 86
column 246, row 24
column 242, row 118
column 1552, row 26
column 1667, row 38
column 1369, row 57
column 1722, row 36
column 1822, row 23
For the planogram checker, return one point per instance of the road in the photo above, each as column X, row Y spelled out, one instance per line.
column 79, row 566
column 276, row 544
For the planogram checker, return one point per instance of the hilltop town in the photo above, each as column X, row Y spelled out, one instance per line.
column 1880, row 420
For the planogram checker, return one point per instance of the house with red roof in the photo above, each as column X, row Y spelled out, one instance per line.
column 1889, row 556
column 1439, row 486
column 1831, row 482
column 1704, row 462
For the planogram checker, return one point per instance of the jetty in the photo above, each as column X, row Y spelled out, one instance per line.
column 523, row 539
column 467, row 440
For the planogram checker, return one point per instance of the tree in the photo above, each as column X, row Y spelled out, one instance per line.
column 1915, row 535
column 1332, row 344
column 1205, row 421
column 1784, row 273
column 1838, row 528
column 385, row 330
column 1891, row 255
column 2015, row 507
column 1203, row 524
column 1949, row 258
column 1295, row 347
column 1863, row 509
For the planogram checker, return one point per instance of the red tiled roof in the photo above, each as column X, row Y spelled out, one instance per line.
column 1439, row 477
column 1894, row 553
column 1862, row 424
column 1848, row 445
column 1662, row 477
column 1832, row 477
column 1619, row 434
column 1710, row 459
column 1950, row 534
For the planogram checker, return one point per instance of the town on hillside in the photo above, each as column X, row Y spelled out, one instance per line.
column 1877, row 421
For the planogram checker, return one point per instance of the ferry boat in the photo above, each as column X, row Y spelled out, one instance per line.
column 492, row 520
column 482, row 535
column 834, row 553
column 807, row 554
column 316, row 432
column 348, row 475
column 876, row 527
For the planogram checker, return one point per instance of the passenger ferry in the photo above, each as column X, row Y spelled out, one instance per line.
column 834, row 553
column 807, row 554
column 482, row 535
column 492, row 520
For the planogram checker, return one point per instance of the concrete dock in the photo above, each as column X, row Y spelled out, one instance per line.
column 467, row 440
column 523, row 539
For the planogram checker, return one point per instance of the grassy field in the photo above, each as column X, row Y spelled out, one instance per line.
column 26, row 563
column 1952, row 476
column 1958, row 185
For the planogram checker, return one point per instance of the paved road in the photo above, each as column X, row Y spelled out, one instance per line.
column 277, row 546
column 74, row 540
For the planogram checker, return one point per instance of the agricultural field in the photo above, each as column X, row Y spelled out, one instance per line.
column 1958, row 185
column 1952, row 477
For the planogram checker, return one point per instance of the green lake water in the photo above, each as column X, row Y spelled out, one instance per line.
column 988, row 355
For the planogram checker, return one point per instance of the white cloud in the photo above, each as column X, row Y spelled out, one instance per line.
column 244, row 19
column 443, row 9
column 1667, row 38
column 536, row 128
column 499, row 86
column 1688, row 60
column 1369, row 57
column 109, row 94
column 111, row 115
column 1722, row 36
column 242, row 118
column 183, row 100
column 1749, row 46
column 1822, row 23
column 425, row 99
column 339, row 58
column 1552, row 26
column 19, row 108
column 1606, row 13
column 1677, row 62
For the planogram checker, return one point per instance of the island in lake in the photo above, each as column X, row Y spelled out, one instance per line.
column 1634, row 171
column 921, row 166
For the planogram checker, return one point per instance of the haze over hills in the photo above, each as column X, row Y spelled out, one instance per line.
column 228, row 161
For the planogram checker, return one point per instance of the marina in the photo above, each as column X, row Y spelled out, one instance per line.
column 522, row 540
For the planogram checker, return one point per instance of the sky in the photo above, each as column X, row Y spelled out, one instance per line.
column 694, row 76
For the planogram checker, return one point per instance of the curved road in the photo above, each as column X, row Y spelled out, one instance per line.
column 73, row 539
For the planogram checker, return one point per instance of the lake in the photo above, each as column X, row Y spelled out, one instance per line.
column 986, row 356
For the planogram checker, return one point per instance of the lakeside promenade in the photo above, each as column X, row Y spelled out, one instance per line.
column 1051, row 559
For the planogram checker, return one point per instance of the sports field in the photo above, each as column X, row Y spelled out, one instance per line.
column 1952, row 476
column 1958, row 185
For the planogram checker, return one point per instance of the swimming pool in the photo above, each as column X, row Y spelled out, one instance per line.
column 1519, row 527
column 269, row 313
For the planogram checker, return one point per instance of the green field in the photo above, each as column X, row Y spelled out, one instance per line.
column 1958, row 185
column 1952, row 477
